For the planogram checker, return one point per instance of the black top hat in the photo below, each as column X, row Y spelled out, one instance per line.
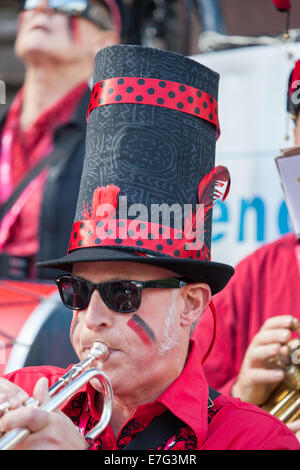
column 149, row 182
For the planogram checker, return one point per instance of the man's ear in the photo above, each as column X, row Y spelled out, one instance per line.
column 196, row 298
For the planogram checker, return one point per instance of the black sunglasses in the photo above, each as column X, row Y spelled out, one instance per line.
column 120, row 296
column 85, row 8
column 75, row 7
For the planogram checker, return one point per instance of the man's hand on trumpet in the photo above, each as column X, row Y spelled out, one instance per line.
column 11, row 396
column 49, row 430
column 256, row 379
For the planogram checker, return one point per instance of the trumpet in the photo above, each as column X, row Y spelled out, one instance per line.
column 64, row 388
column 284, row 402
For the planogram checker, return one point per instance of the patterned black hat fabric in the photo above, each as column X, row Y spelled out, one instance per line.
column 149, row 180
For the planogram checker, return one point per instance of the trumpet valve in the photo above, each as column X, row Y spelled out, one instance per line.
column 294, row 351
column 292, row 377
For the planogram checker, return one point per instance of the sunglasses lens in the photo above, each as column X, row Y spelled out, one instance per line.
column 69, row 5
column 30, row 4
column 121, row 296
column 63, row 5
column 74, row 293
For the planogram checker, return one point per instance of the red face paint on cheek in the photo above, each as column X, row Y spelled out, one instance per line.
column 142, row 329
column 74, row 27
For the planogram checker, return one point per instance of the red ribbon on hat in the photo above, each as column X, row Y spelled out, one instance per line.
column 100, row 228
column 155, row 92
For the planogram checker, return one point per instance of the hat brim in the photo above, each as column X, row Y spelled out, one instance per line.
column 216, row 275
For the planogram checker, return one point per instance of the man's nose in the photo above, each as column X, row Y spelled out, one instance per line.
column 98, row 315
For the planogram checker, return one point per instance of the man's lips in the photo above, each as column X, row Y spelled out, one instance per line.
column 111, row 350
column 41, row 28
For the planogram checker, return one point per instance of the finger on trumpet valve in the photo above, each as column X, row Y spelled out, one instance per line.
column 276, row 362
column 32, row 403
column 290, row 350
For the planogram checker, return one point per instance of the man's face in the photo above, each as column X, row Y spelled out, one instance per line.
column 44, row 33
column 144, row 345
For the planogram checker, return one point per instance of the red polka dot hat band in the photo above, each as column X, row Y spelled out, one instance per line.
column 155, row 92
column 137, row 235
column 100, row 227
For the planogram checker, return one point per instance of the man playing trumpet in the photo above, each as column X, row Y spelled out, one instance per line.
column 136, row 283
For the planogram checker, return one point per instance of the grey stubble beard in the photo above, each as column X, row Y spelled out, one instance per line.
column 170, row 336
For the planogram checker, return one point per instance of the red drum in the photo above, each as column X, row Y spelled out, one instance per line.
column 34, row 326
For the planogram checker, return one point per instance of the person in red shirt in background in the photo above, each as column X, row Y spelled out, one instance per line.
column 57, row 41
column 258, row 311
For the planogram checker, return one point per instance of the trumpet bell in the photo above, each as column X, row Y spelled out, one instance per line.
column 284, row 402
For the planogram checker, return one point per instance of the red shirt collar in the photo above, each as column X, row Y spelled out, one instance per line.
column 187, row 396
column 56, row 114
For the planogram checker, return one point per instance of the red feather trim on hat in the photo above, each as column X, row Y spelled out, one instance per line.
column 104, row 203
column 295, row 78
column 209, row 191
column 210, row 185
column 282, row 5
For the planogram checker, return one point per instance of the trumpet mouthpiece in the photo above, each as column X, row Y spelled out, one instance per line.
column 99, row 351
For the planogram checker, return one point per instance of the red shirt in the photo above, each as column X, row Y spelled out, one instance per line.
column 230, row 424
column 265, row 284
column 27, row 148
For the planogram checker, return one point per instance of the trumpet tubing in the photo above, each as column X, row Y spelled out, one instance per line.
column 284, row 402
column 64, row 388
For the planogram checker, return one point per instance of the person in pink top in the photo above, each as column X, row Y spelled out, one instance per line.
column 258, row 311
column 137, row 280
column 57, row 41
